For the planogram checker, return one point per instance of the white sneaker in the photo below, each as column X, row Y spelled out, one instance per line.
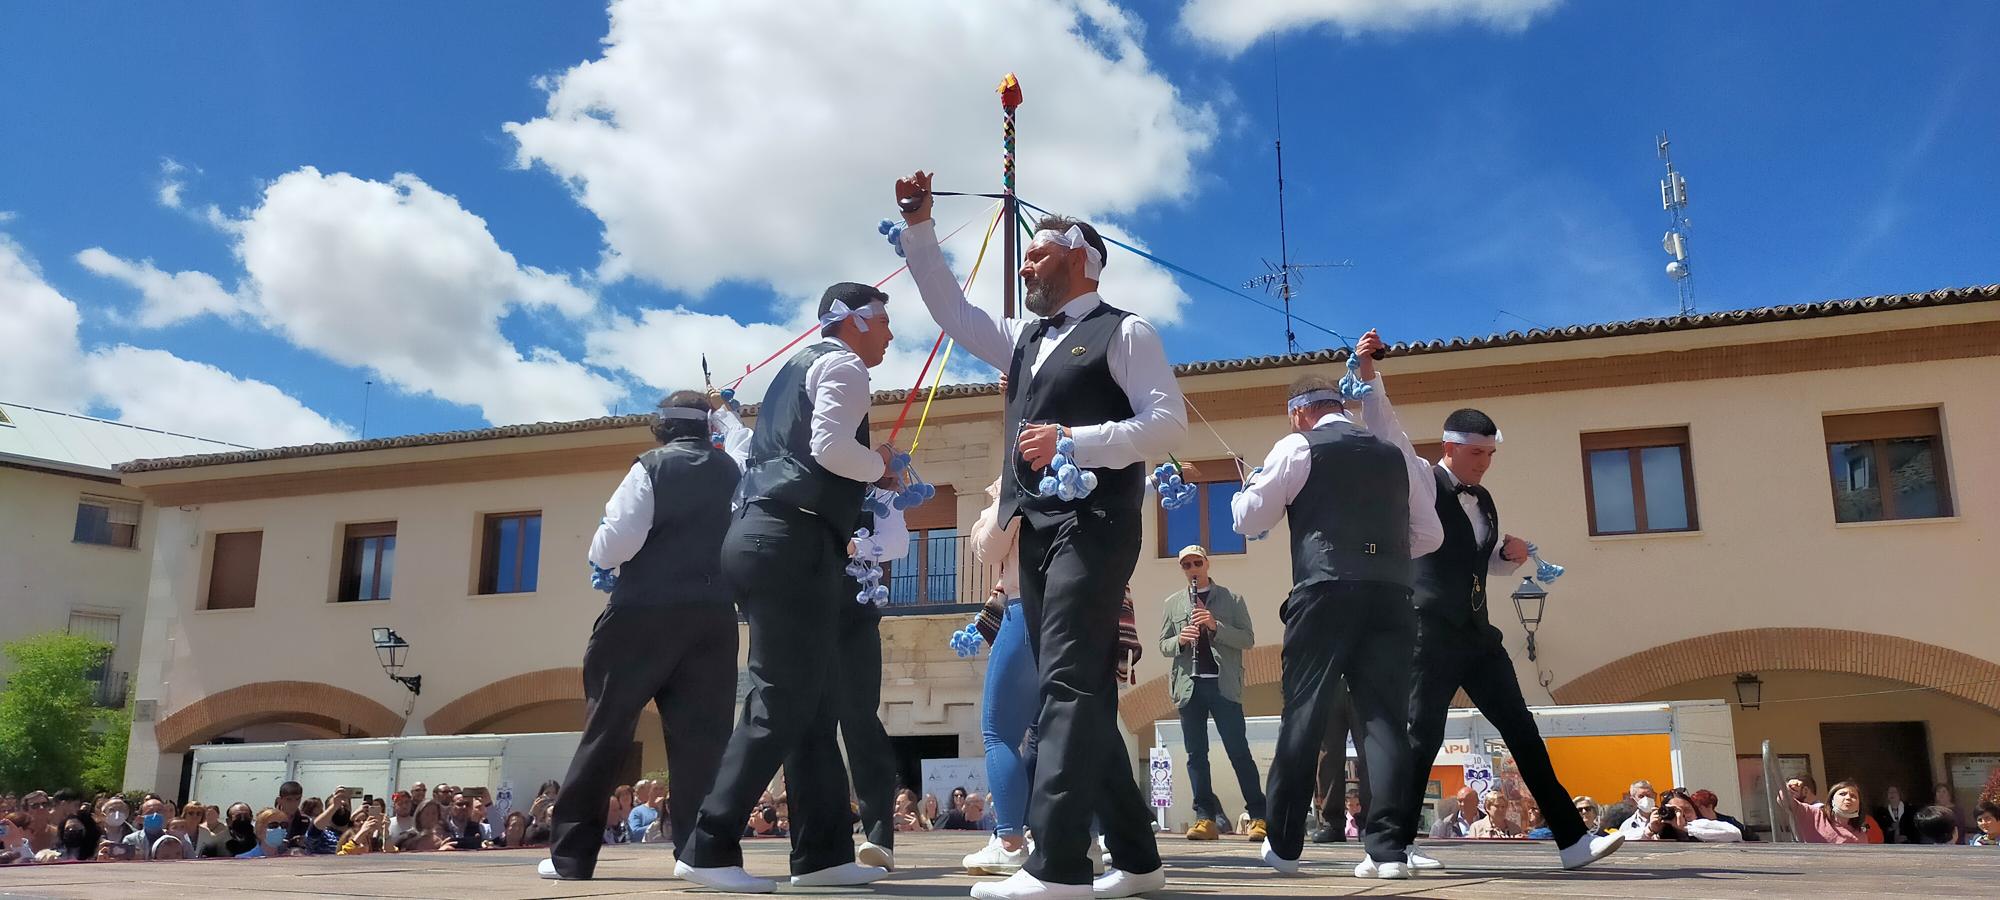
column 1420, row 861
column 1369, row 868
column 1591, row 849
column 729, row 879
column 1100, row 862
column 547, row 869
column 996, row 859
column 1023, row 886
column 1283, row 865
column 873, row 854
column 1120, row 883
column 843, row 875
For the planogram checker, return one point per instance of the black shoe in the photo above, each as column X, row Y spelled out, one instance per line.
column 1327, row 834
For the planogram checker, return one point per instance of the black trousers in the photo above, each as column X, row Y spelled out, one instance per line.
column 1450, row 656
column 682, row 658
column 1363, row 632
column 1073, row 575
column 871, row 761
column 1331, row 794
column 783, row 565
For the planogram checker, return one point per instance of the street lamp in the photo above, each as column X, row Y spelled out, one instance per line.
column 1749, row 691
column 1529, row 599
column 390, row 648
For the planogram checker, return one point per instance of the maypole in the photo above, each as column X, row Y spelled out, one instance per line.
column 1010, row 99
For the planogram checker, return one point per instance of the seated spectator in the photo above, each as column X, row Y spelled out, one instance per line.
column 1588, row 809
column 1988, row 823
column 1458, row 823
column 204, row 833
column 117, row 816
column 460, row 831
column 1705, row 807
column 429, row 821
column 73, row 842
column 1644, row 800
column 1934, row 825
column 242, row 830
column 274, row 835
column 969, row 815
column 319, row 838
column 928, row 812
column 1676, row 819
column 289, row 802
column 1616, row 817
column 1839, row 821
column 1354, row 813
column 1533, row 827
column 538, row 835
column 544, row 807
column 152, row 824
column 364, row 837
column 618, row 816
column 1898, row 819
column 402, row 815
column 514, row 831
column 906, row 811
column 41, row 830
column 1499, row 822
column 169, row 846
column 644, row 814
column 477, row 817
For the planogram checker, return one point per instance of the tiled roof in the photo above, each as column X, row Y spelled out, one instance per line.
column 1947, row 297
column 76, row 443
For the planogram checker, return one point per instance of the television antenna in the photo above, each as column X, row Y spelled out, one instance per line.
column 1280, row 278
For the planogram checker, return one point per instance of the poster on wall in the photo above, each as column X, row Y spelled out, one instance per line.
column 1969, row 773
column 941, row 776
column 1161, row 770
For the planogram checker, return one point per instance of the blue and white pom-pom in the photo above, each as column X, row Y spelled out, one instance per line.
column 1175, row 492
column 893, row 230
column 914, row 489
column 1351, row 385
column 967, row 641
column 1063, row 478
column 603, row 579
column 866, row 568
column 1545, row 572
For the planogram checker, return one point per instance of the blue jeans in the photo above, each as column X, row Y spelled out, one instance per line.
column 1011, row 701
column 1205, row 702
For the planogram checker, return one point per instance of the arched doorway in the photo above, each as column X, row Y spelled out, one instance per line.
column 546, row 700
column 313, row 708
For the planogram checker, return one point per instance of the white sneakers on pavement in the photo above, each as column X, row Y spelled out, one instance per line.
column 1420, row 862
column 1023, row 886
column 1369, row 868
column 843, row 875
column 1117, row 882
column 996, row 859
column 1283, row 865
column 730, row 879
column 1591, row 849
column 873, row 854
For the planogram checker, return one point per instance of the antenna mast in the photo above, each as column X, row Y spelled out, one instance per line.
column 1674, row 199
column 1279, row 277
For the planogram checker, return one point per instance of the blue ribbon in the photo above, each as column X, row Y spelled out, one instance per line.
column 1545, row 572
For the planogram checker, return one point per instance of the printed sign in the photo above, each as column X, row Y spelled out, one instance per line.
column 1162, row 772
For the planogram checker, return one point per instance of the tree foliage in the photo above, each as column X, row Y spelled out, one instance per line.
column 46, row 712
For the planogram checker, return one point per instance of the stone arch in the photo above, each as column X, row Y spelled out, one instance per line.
column 1949, row 672
column 476, row 708
column 313, row 703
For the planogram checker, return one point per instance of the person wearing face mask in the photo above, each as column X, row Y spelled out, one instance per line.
column 241, row 833
column 272, row 832
column 76, row 842
column 152, row 823
column 1839, row 821
column 117, row 817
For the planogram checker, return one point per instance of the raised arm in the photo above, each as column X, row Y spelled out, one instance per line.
column 1426, row 532
column 976, row 330
column 628, row 519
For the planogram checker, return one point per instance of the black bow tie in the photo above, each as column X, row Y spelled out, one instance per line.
column 1473, row 489
column 1047, row 324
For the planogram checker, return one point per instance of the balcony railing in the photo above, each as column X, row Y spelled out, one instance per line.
column 939, row 575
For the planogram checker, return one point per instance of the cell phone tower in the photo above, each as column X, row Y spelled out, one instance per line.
column 1674, row 199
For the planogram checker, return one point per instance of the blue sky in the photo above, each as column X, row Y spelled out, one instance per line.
column 700, row 169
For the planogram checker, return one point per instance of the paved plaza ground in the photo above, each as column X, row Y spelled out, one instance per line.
column 929, row 868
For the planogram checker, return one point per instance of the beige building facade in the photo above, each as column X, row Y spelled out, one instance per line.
column 1798, row 494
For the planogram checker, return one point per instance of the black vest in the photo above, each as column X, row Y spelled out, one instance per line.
column 692, row 486
column 1451, row 581
column 1351, row 519
column 781, row 465
column 1074, row 387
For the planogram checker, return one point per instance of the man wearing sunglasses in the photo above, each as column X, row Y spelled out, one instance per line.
column 1204, row 631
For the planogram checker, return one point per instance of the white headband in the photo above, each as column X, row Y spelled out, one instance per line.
column 1309, row 398
column 840, row 311
column 1472, row 440
column 681, row 412
column 1093, row 262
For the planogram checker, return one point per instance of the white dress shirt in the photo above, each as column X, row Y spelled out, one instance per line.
column 1496, row 564
column 1263, row 500
column 890, row 530
column 1137, row 359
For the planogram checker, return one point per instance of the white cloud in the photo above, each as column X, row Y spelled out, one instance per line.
column 46, row 366
column 1232, row 26
column 722, row 140
column 160, row 390
column 39, row 363
column 171, row 183
column 164, row 298
column 399, row 278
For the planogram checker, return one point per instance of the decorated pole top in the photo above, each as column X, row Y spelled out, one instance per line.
column 1010, row 91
